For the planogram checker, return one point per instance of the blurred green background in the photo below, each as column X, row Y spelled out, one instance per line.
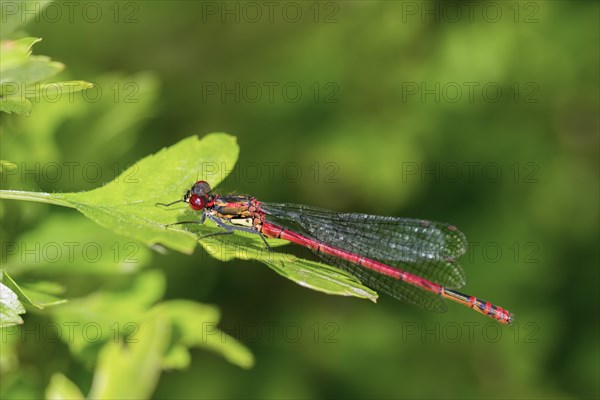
column 484, row 115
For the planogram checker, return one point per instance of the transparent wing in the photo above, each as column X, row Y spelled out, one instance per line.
column 424, row 248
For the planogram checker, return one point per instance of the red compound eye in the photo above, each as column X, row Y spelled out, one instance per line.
column 197, row 202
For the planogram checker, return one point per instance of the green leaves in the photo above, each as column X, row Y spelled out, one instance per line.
column 21, row 76
column 10, row 306
column 124, row 329
column 311, row 274
column 136, row 342
column 127, row 206
column 196, row 326
column 162, row 339
column 61, row 387
column 13, row 297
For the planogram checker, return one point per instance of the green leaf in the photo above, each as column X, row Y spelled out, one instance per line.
column 15, row 104
column 61, row 388
column 39, row 298
column 108, row 314
column 39, row 294
column 10, row 306
column 21, row 74
column 15, row 52
column 127, row 205
column 195, row 325
column 132, row 370
column 19, row 67
column 56, row 90
column 36, row 69
column 311, row 274
column 320, row 277
column 164, row 335
column 30, row 295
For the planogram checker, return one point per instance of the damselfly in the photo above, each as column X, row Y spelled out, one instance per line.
column 410, row 259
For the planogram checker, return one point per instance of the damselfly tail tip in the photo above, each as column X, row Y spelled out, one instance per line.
column 498, row 313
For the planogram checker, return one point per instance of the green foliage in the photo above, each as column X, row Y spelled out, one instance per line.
column 136, row 331
column 22, row 76
column 311, row 274
column 35, row 295
column 61, row 387
column 10, row 306
column 128, row 206
column 376, row 148
column 109, row 117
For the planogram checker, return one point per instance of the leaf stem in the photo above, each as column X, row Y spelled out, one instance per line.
column 39, row 197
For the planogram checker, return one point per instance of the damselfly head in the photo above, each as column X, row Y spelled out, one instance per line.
column 197, row 202
column 201, row 188
column 197, row 196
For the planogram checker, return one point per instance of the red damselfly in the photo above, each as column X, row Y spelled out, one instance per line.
column 410, row 259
